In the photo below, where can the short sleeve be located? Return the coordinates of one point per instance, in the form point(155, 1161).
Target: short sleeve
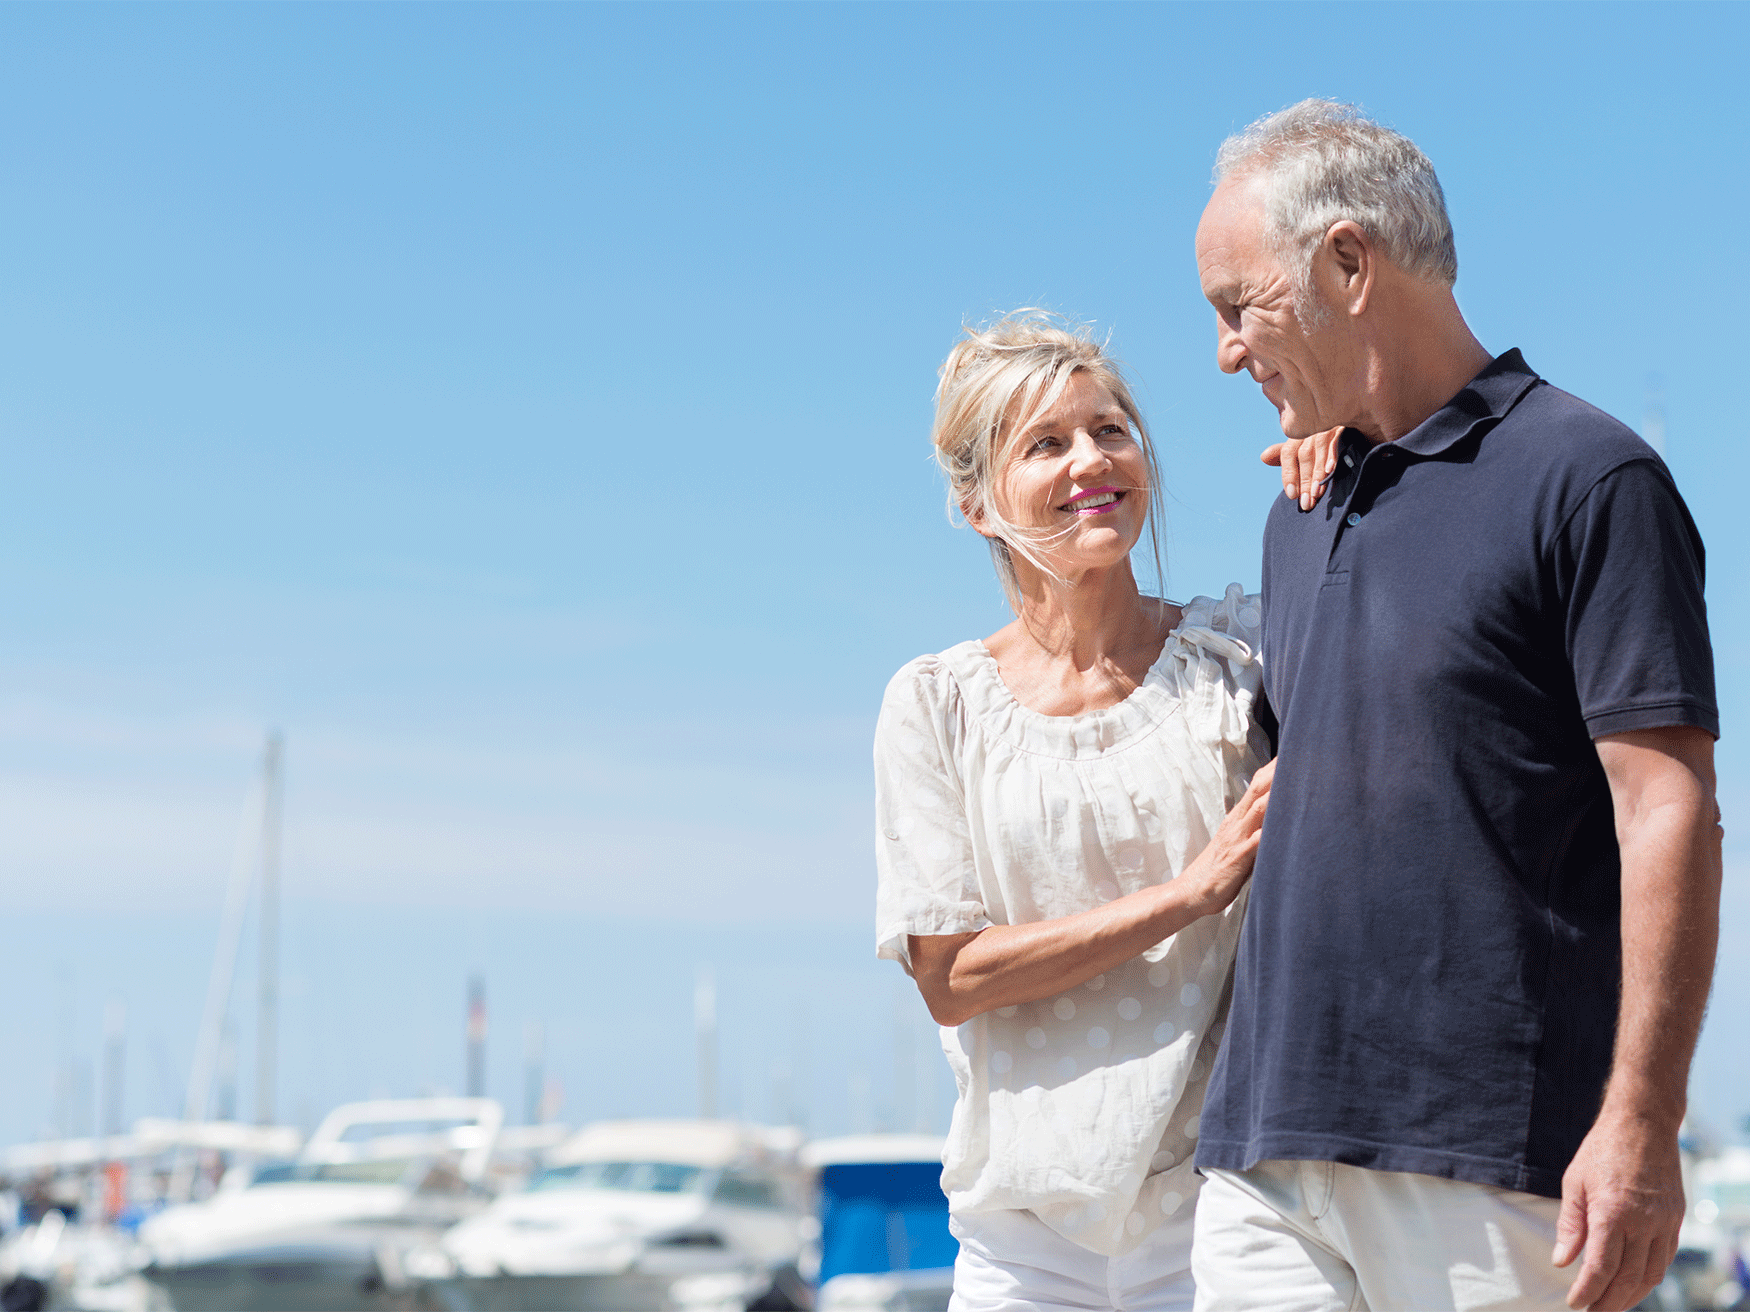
point(923, 845)
point(1630, 563)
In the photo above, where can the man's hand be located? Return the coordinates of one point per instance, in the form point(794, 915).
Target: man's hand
point(1307, 465)
point(1622, 1201)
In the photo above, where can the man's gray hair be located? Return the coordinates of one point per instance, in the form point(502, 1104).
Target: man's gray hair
point(1323, 162)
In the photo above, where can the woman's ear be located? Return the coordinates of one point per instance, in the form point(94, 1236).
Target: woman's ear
point(972, 511)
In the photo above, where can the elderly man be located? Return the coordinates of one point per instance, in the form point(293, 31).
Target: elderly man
point(1483, 921)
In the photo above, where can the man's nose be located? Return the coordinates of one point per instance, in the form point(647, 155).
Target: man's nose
point(1230, 347)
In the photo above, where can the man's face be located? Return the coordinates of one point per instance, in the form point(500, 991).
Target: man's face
point(1302, 369)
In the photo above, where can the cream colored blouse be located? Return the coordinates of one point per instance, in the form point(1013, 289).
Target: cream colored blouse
point(1082, 1107)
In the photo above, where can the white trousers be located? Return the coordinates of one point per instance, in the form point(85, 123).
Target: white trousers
point(1014, 1262)
point(1323, 1237)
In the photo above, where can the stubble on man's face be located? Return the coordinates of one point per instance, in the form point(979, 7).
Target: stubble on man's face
point(1259, 326)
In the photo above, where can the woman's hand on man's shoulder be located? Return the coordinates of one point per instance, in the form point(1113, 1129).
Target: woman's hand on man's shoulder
point(1307, 464)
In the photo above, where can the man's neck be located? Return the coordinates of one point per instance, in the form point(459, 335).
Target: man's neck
point(1421, 356)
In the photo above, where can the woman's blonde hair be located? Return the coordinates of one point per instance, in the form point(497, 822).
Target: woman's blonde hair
point(996, 384)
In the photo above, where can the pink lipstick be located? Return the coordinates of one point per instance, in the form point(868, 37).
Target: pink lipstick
point(1095, 501)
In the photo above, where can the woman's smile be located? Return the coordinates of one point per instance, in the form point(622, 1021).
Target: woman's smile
point(1095, 501)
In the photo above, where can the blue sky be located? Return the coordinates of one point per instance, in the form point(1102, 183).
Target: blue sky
point(525, 409)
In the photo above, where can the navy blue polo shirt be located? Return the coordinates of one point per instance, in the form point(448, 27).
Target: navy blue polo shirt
point(1427, 979)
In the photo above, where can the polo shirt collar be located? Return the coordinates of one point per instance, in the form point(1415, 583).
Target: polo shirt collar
point(1490, 395)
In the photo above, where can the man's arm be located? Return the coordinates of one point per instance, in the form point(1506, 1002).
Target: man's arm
point(1622, 1197)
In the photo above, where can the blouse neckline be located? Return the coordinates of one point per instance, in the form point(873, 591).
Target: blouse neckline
point(1092, 733)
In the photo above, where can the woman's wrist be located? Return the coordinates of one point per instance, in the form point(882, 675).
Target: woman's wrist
point(1184, 899)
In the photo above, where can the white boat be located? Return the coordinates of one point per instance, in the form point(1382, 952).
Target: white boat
point(330, 1229)
point(79, 1260)
point(633, 1215)
point(55, 1263)
point(150, 1138)
point(884, 1238)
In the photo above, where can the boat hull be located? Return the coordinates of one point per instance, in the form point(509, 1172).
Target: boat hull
point(274, 1286)
point(339, 1277)
point(625, 1292)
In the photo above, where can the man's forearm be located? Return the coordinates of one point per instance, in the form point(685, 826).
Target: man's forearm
point(1667, 829)
point(1622, 1195)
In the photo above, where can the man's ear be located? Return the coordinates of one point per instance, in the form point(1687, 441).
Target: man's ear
point(1350, 265)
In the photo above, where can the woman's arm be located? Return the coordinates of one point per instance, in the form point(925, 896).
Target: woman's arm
point(965, 975)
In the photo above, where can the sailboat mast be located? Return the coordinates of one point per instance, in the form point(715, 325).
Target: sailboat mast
point(476, 1047)
point(705, 1039)
point(268, 955)
point(210, 1037)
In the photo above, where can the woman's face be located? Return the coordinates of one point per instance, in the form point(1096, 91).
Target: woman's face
point(1077, 474)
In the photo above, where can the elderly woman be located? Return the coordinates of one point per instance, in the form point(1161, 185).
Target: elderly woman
point(1068, 813)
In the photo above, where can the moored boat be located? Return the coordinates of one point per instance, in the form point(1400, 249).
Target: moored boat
point(626, 1211)
point(331, 1229)
point(884, 1238)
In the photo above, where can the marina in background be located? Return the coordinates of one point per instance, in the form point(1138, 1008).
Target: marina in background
point(435, 1204)
point(437, 1201)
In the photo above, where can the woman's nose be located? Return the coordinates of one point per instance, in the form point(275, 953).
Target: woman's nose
point(1087, 456)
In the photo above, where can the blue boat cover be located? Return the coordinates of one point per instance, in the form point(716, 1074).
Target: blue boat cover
point(883, 1216)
